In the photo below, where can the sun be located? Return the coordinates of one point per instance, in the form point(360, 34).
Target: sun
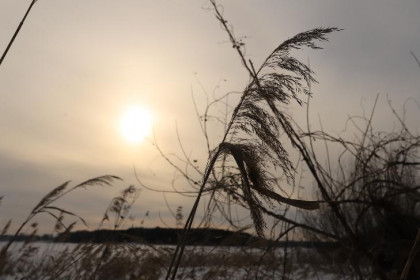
point(136, 124)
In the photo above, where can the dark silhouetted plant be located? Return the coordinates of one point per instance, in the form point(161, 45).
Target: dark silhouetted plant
point(252, 134)
point(17, 31)
point(46, 205)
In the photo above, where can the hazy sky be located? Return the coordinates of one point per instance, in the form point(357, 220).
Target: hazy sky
point(77, 65)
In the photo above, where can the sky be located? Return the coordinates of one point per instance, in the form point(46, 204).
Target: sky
point(76, 66)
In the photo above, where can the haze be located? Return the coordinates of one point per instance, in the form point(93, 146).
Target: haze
point(76, 65)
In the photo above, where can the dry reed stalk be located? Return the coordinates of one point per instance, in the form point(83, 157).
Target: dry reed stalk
point(44, 206)
point(262, 148)
point(17, 31)
point(413, 254)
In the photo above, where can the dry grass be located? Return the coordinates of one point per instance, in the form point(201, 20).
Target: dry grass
point(134, 261)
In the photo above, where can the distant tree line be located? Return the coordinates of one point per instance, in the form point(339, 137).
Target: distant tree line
point(164, 236)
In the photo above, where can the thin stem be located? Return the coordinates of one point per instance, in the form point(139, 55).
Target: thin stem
point(176, 259)
point(17, 31)
point(6, 247)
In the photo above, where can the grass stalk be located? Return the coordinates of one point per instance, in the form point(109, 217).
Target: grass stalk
point(413, 253)
point(17, 31)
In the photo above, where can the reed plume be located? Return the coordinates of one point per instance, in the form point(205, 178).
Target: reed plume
point(45, 205)
point(252, 135)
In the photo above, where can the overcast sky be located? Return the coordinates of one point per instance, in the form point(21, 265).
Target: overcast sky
point(77, 65)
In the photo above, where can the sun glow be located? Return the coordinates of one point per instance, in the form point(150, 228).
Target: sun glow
point(136, 124)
